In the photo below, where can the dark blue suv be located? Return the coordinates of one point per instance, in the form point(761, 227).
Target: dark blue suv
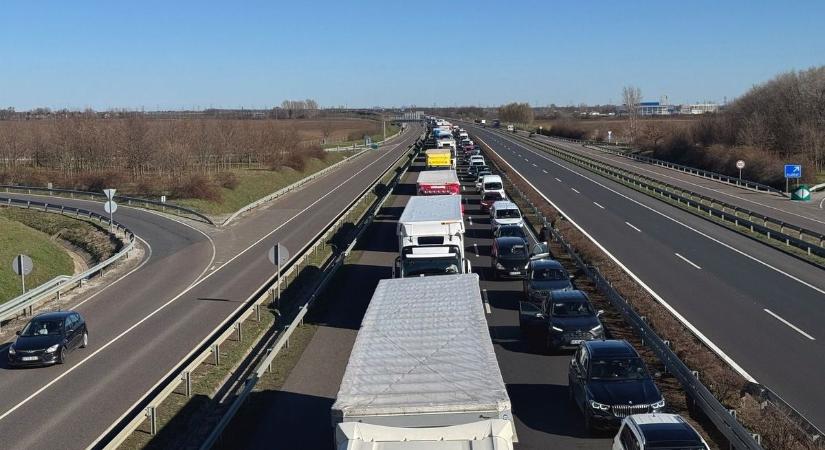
point(609, 381)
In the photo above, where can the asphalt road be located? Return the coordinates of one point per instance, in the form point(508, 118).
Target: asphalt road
point(141, 327)
point(760, 307)
point(804, 214)
point(298, 415)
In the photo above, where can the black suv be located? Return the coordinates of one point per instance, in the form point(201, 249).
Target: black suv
point(609, 381)
point(545, 276)
point(563, 320)
point(47, 338)
point(509, 257)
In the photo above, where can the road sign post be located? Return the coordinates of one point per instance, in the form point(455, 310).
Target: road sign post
point(740, 164)
point(22, 265)
point(278, 255)
point(609, 136)
point(792, 171)
point(110, 206)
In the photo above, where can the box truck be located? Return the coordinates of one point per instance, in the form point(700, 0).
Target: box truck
point(439, 158)
point(438, 182)
point(431, 237)
point(423, 373)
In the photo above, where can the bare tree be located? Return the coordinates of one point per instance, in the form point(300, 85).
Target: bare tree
point(632, 97)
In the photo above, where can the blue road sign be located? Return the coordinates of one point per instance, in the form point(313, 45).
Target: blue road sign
point(793, 171)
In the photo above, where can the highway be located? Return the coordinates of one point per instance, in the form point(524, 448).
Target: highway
point(298, 415)
point(803, 214)
point(762, 308)
point(142, 326)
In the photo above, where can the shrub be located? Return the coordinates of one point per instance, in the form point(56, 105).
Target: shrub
point(227, 180)
point(196, 186)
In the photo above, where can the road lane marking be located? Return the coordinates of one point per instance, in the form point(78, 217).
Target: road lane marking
point(600, 206)
point(820, 203)
point(558, 180)
point(574, 190)
point(534, 165)
point(163, 306)
point(475, 246)
point(633, 226)
point(795, 328)
point(688, 261)
point(143, 263)
point(487, 308)
point(543, 170)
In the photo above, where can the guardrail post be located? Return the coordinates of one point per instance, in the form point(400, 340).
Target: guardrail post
point(216, 349)
point(186, 377)
point(257, 312)
point(239, 327)
point(151, 414)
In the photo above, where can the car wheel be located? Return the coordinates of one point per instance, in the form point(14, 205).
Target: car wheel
point(85, 341)
point(61, 355)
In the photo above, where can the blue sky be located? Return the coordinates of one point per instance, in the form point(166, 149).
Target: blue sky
point(181, 54)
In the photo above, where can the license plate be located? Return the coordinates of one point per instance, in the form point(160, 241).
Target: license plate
point(29, 358)
point(515, 273)
point(576, 341)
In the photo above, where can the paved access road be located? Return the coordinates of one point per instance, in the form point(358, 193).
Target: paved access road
point(761, 307)
point(804, 214)
point(141, 327)
point(298, 415)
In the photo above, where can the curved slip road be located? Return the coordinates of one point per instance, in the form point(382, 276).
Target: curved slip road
point(760, 307)
point(140, 331)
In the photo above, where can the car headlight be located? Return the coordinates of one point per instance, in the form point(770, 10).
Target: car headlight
point(11, 350)
point(555, 328)
point(659, 405)
point(52, 349)
point(599, 406)
point(499, 266)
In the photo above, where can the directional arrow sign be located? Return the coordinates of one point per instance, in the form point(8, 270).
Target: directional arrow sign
point(22, 264)
point(110, 207)
point(110, 193)
point(793, 171)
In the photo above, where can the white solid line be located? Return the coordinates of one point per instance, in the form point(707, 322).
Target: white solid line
point(688, 261)
point(574, 190)
point(797, 329)
point(543, 170)
point(600, 206)
point(558, 180)
point(633, 226)
point(644, 285)
point(163, 306)
point(487, 308)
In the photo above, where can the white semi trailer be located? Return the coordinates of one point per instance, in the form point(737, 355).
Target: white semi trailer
point(423, 374)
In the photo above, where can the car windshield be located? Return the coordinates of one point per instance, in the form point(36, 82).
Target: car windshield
point(515, 251)
point(42, 327)
point(507, 213)
point(511, 231)
point(493, 196)
point(414, 267)
point(495, 185)
point(549, 275)
point(572, 309)
point(618, 369)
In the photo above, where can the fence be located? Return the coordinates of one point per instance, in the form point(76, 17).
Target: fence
point(145, 408)
point(23, 303)
point(726, 423)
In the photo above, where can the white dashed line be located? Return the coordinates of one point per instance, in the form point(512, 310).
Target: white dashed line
point(543, 170)
point(574, 190)
point(633, 226)
point(797, 329)
point(600, 206)
point(534, 165)
point(688, 261)
point(558, 180)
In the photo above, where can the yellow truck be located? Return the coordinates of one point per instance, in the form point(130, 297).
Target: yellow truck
point(439, 158)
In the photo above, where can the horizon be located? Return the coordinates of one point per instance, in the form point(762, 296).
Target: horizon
point(187, 56)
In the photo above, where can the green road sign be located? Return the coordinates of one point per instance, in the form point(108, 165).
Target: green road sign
point(801, 193)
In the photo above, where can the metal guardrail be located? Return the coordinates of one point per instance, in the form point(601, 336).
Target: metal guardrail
point(145, 408)
point(265, 364)
point(614, 149)
point(129, 201)
point(365, 146)
point(677, 194)
point(737, 435)
point(19, 305)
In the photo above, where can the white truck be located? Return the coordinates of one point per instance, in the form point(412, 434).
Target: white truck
point(431, 237)
point(423, 374)
point(438, 182)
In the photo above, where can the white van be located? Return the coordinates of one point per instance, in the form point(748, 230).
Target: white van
point(491, 183)
point(505, 212)
point(477, 159)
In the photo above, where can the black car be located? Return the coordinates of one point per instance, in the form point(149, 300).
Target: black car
point(563, 320)
point(543, 277)
point(509, 257)
point(609, 381)
point(47, 338)
point(510, 230)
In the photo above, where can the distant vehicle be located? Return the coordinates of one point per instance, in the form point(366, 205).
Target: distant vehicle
point(511, 128)
point(505, 212)
point(476, 159)
point(481, 172)
point(657, 431)
point(491, 183)
point(565, 319)
point(438, 182)
point(439, 158)
point(431, 237)
point(496, 123)
point(483, 122)
point(489, 198)
point(48, 338)
point(422, 373)
point(509, 257)
point(510, 231)
point(609, 381)
point(545, 276)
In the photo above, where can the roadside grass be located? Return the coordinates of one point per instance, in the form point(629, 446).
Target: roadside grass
point(391, 130)
point(48, 257)
point(256, 183)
